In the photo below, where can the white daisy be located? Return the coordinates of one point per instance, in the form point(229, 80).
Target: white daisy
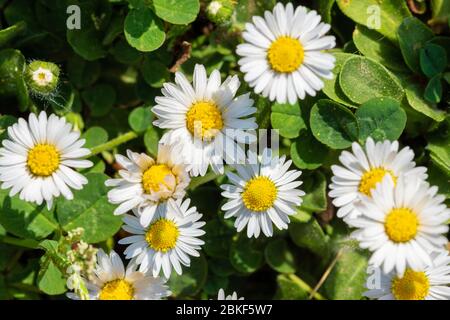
point(363, 169)
point(221, 296)
point(429, 283)
point(262, 192)
point(37, 158)
point(168, 241)
point(206, 120)
point(113, 282)
point(144, 182)
point(401, 223)
point(282, 55)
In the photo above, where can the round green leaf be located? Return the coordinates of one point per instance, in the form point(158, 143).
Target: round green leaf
point(177, 11)
point(124, 53)
point(246, 256)
point(217, 239)
point(381, 119)
point(151, 141)
point(192, 280)
point(333, 124)
point(315, 187)
point(310, 235)
point(415, 97)
point(155, 73)
point(100, 99)
point(307, 152)
point(140, 119)
point(143, 30)
point(279, 257)
point(95, 136)
point(287, 119)
point(433, 59)
point(362, 79)
point(433, 90)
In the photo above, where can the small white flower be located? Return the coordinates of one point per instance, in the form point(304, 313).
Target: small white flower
point(37, 157)
point(145, 182)
point(42, 77)
point(262, 192)
point(402, 224)
point(206, 120)
point(221, 296)
point(363, 169)
point(282, 55)
point(113, 282)
point(429, 283)
point(168, 241)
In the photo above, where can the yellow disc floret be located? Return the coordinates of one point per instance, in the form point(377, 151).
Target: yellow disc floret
point(156, 176)
point(370, 179)
point(285, 54)
point(412, 286)
point(162, 235)
point(43, 160)
point(259, 194)
point(401, 224)
point(204, 119)
point(118, 289)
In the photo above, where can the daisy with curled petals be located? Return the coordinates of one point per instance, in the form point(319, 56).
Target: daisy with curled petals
point(402, 224)
point(429, 283)
point(363, 169)
point(144, 182)
point(37, 158)
point(205, 119)
point(262, 192)
point(283, 57)
point(168, 241)
point(113, 282)
point(221, 296)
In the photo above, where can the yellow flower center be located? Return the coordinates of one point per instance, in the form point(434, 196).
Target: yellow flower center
point(204, 119)
point(43, 160)
point(370, 179)
point(156, 176)
point(162, 235)
point(118, 289)
point(413, 286)
point(285, 54)
point(401, 224)
point(259, 194)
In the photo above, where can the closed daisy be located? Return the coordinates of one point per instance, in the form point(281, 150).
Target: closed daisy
point(234, 296)
point(144, 182)
point(402, 223)
point(429, 283)
point(113, 282)
point(283, 57)
point(261, 193)
point(363, 169)
point(168, 241)
point(38, 157)
point(205, 119)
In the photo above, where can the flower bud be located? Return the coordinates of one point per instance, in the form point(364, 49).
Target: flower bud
point(220, 11)
point(42, 77)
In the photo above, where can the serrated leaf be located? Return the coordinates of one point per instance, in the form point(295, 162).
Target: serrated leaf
point(177, 11)
point(144, 30)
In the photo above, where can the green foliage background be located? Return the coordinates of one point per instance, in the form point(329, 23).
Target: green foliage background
point(391, 83)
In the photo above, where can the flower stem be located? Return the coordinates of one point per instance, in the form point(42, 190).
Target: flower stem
point(25, 243)
point(302, 284)
point(114, 142)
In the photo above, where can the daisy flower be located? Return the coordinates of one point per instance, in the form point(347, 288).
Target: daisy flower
point(221, 296)
point(401, 223)
point(37, 158)
point(363, 169)
point(206, 120)
point(262, 192)
point(282, 55)
point(429, 283)
point(145, 182)
point(112, 282)
point(168, 241)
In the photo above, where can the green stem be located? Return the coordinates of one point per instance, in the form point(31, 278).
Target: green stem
point(302, 284)
point(114, 142)
point(25, 243)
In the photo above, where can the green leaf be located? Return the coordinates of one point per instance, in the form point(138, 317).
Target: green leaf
point(90, 210)
point(12, 67)
point(413, 35)
point(310, 235)
point(24, 219)
point(315, 187)
point(287, 119)
point(443, 42)
point(154, 72)
point(433, 90)
point(347, 279)
point(381, 119)
point(433, 59)
point(140, 119)
point(385, 16)
point(246, 9)
point(362, 79)
point(8, 34)
point(143, 30)
point(82, 73)
point(415, 97)
point(325, 7)
point(217, 239)
point(288, 289)
point(436, 178)
point(177, 11)
point(333, 124)
point(279, 257)
point(94, 136)
point(124, 53)
point(377, 47)
point(151, 140)
point(307, 152)
point(440, 153)
point(192, 280)
point(100, 99)
point(246, 255)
